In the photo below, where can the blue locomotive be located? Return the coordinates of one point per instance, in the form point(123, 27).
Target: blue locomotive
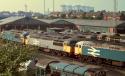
point(103, 53)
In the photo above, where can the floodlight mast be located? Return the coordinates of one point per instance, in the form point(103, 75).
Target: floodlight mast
point(44, 6)
point(115, 5)
point(115, 13)
point(26, 8)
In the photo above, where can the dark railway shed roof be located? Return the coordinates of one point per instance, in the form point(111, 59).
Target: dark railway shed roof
point(122, 25)
point(17, 20)
point(59, 23)
point(22, 23)
point(121, 28)
point(82, 22)
point(101, 23)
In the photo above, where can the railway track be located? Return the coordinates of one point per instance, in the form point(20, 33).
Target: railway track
point(74, 59)
point(111, 71)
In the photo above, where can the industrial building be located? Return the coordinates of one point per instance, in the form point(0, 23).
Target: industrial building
point(103, 26)
point(21, 23)
point(77, 8)
point(60, 23)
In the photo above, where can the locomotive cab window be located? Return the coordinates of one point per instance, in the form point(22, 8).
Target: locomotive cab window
point(79, 46)
point(76, 45)
point(65, 44)
point(57, 43)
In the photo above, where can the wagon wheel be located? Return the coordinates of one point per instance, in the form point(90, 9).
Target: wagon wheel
point(65, 54)
point(84, 59)
point(87, 74)
point(97, 61)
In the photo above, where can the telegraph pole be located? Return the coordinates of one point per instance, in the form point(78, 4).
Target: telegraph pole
point(115, 8)
point(26, 6)
point(53, 5)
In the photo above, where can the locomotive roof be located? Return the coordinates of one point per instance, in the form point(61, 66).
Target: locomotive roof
point(53, 36)
point(72, 68)
point(44, 63)
point(69, 39)
point(84, 42)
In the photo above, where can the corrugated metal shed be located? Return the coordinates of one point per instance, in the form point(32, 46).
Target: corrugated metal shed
point(89, 25)
point(82, 25)
point(121, 28)
point(21, 23)
point(62, 22)
point(102, 23)
point(48, 20)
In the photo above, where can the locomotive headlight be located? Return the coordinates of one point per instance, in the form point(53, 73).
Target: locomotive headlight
point(76, 50)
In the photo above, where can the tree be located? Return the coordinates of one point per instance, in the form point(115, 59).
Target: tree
point(122, 16)
point(11, 55)
point(100, 16)
point(63, 15)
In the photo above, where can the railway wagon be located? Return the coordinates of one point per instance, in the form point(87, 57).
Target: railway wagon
point(56, 68)
point(101, 55)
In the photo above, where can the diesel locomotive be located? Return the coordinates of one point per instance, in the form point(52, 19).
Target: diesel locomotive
point(89, 48)
point(56, 68)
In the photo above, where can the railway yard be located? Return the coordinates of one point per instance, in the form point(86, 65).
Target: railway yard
point(84, 49)
point(73, 40)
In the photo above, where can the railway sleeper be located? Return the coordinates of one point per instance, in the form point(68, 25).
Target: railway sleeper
point(117, 63)
point(85, 59)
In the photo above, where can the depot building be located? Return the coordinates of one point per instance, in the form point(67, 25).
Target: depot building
point(102, 26)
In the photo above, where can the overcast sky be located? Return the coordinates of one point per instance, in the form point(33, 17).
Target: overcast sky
point(37, 5)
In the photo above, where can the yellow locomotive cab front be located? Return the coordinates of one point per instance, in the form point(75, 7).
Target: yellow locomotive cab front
point(78, 49)
point(66, 48)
